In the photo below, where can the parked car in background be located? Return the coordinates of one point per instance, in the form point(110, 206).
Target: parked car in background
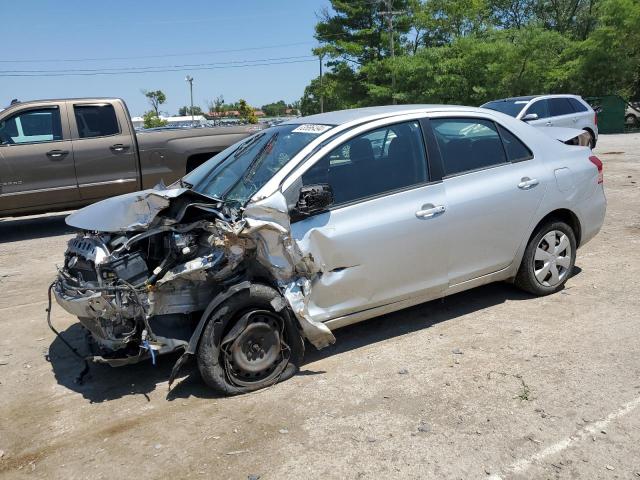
point(569, 111)
point(632, 114)
point(60, 154)
point(321, 222)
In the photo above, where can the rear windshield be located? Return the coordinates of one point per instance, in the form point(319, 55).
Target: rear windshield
point(510, 107)
point(238, 172)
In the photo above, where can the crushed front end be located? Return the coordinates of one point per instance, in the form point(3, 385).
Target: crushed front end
point(144, 268)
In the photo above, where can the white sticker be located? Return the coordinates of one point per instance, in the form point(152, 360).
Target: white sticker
point(311, 128)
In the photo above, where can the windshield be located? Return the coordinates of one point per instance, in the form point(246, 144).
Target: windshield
point(510, 107)
point(238, 172)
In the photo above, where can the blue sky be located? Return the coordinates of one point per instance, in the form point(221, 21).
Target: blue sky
point(168, 33)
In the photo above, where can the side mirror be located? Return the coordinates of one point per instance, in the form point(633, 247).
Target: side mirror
point(529, 117)
point(314, 199)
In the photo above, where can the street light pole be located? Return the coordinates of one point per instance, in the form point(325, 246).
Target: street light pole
point(189, 79)
point(321, 89)
point(389, 14)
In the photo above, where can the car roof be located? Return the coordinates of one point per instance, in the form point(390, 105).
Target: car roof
point(340, 117)
point(531, 97)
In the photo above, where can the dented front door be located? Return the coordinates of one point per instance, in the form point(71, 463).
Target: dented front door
point(376, 252)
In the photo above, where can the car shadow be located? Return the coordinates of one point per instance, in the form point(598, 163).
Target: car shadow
point(104, 383)
point(15, 229)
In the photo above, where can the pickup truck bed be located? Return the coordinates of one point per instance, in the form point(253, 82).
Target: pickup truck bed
point(63, 154)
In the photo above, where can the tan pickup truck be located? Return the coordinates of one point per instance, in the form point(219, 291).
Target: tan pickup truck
point(63, 154)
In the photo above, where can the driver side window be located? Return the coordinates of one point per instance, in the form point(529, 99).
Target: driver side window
point(540, 108)
point(382, 160)
point(31, 126)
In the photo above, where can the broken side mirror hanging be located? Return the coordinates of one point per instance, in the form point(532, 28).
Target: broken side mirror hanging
point(314, 199)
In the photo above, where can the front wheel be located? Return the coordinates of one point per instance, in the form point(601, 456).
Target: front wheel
point(247, 345)
point(548, 259)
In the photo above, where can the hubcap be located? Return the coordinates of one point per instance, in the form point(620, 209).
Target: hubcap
point(552, 259)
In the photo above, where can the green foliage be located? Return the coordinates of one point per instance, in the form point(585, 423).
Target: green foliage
point(471, 51)
point(156, 98)
point(276, 109)
point(246, 112)
point(152, 120)
point(184, 111)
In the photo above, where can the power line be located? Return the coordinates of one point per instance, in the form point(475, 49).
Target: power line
point(155, 67)
point(137, 57)
point(131, 72)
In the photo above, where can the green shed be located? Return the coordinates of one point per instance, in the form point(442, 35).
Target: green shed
point(610, 110)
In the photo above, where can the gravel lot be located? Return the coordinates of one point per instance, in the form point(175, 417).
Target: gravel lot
point(490, 383)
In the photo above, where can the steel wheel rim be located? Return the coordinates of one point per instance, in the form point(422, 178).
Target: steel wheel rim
point(257, 353)
point(552, 259)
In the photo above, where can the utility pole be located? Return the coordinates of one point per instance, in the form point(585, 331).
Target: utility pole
point(189, 79)
point(389, 14)
point(320, 57)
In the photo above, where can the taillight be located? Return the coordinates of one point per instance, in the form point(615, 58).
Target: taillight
point(595, 119)
point(598, 163)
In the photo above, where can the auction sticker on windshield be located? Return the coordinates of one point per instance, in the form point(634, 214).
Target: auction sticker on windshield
point(311, 128)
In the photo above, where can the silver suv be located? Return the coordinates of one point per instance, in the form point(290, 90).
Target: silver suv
point(569, 111)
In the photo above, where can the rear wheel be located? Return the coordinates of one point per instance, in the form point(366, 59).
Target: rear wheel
point(246, 345)
point(548, 259)
point(631, 120)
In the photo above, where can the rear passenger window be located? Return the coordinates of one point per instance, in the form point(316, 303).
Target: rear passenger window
point(96, 120)
point(560, 106)
point(516, 150)
point(467, 144)
point(577, 105)
point(379, 161)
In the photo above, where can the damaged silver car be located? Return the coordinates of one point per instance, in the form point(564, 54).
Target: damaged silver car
point(322, 222)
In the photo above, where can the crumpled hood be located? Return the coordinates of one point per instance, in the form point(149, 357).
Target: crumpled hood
point(128, 212)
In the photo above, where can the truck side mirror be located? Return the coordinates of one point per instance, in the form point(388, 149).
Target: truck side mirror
point(314, 199)
point(529, 117)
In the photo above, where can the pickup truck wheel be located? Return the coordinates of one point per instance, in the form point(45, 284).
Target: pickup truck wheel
point(548, 259)
point(247, 345)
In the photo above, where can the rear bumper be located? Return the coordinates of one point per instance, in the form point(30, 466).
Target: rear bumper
point(591, 213)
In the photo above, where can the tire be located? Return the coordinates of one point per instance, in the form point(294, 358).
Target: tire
point(541, 273)
point(631, 120)
point(247, 345)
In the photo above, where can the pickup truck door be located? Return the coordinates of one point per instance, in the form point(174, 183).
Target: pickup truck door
point(104, 148)
point(36, 158)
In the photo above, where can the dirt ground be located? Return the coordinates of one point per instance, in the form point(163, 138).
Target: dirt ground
point(490, 383)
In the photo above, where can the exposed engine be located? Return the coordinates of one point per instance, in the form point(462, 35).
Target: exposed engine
point(128, 288)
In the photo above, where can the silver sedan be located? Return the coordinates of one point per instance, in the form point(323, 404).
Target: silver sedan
point(321, 222)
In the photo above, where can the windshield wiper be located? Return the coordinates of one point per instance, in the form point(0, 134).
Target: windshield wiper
point(245, 147)
point(255, 163)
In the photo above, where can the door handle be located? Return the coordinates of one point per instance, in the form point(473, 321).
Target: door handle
point(527, 183)
point(430, 211)
point(119, 147)
point(548, 124)
point(57, 154)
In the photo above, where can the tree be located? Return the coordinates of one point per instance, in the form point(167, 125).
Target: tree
point(156, 98)
point(184, 111)
point(276, 109)
point(216, 105)
point(152, 120)
point(246, 112)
